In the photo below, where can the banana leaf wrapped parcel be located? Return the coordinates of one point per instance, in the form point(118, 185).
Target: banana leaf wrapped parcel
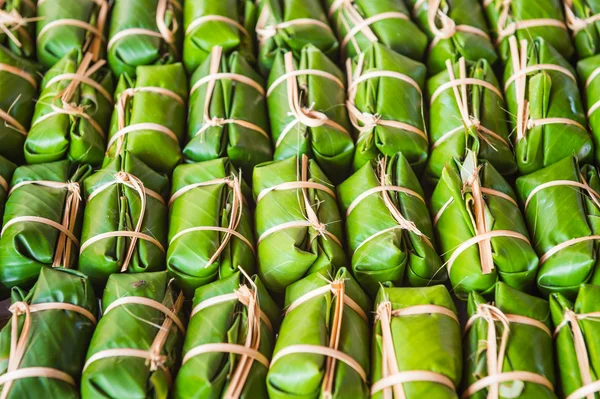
point(508, 347)
point(150, 115)
point(577, 338)
point(211, 244)
point(562, 207)
point(228, 113)
point(455, 29)
point(467, 112)
point(228, 24)
point(19, 21)
point(64, 26)
point(229, 341)
point(545, 106)
point(359, 23)
point(306, 99)
point(588, 69)
point(125, 220)
point(135, 350)
point(480, 230)
point(385, 121)
point(42, 222)
point(528, 20)
point(289, 25)
point(322, 348)
point(144, 32)
point(416, 347)
point(389, 230)
point(43, 345)
point(583, 18)
point(72, 113)
point(6, 171)
point(298, 224)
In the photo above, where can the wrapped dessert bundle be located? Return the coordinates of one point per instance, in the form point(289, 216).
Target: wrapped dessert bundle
point(322, 348)
point(289, 25)
point(19, 87)
point(359, 23)
point(144, 32)
point(508, 347)
point(528, 20)
point(384, 121)
point(455, 29)
point(43, 345)
point(481, 232)
point(562, 206)
point(577, 335)
point(467, 112)
point(389, 230)
point(228, 113)
point(125, 220)
point(207, 23)
point(135, 350)
point(6, 171)
point(297, 220)
point(211, 244)
point(588, 71)
point(72, 113)
point(150, 115)
point(583, 18)
point(545, 106)
point(416, 347)
point(41, 222)
point(306, 99)
point(229, 341)
point(18, 19)
point(64, 26)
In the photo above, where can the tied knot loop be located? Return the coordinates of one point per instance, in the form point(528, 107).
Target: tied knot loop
point(384, 311)
point(69, 108)
point(530, 123)
point(11, 21)
point(19, 308)
point(215, 121)
point(74, 188)
point(245, 295)
point(473, 122)
point(156, 360)
point(320, 228)
point(448, 28)
point(267, 32)
point(370, 120)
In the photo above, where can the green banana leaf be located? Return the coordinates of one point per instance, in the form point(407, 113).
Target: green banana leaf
point(520, 11)
point(129, 48)
point(134, 326)
point(208, 375)
point(558, 214)
point(61, 28)
point(116, 207)
point(569, 371)
point(191, 252)
point(54, 136)
point(207, 23)
point(396, 32)
point(19, 86)
point(322, 99)
point(591, 84)
point(156, 149)
point(27, 246)
point(586, 29)
point(469, 38)
point(277, 31)
point(58, 338)
point(485, 108)
point(301, 374)
point(229, 100)
point(381, 249)
point(377, 97)
point(21, 25)
point(548, 94)
point(6, 171)
point(288, 254)
point(429, 342)
point(528, 347)
point(471, 200)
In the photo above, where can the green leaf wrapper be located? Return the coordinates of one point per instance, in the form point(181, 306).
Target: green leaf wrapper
point(560, 213)
point(24, 32)
point(228, 117)
point(383, 249)
point(198, 253)
point(421, 327)
point(471, 201)
point(158, 338)
point(582, 20)
point(317, 316)
point(6, 171)
point(387, 111)
point(526, 322)
point(211, 374)
point(586, 69)
point(313, 241)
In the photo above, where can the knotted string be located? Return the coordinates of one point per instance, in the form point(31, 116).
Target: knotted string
point(575, 23)
point(448, 27)
point(13, 21)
